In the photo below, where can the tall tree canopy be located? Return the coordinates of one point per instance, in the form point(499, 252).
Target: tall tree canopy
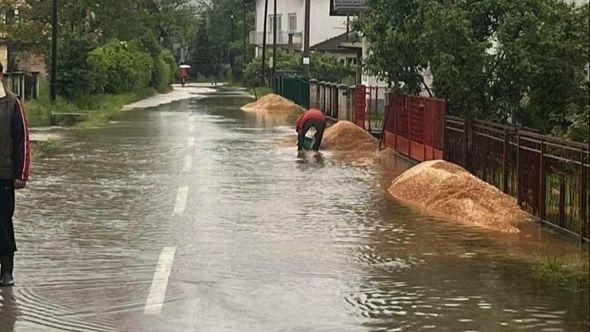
point(520, 61)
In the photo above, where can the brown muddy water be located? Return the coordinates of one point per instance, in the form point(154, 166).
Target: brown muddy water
point(264, 240)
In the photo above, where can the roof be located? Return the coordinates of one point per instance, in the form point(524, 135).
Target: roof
point(333, 44)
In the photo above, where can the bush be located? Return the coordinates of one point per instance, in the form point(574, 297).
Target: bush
point(324, 67)
point(164, 71)
point(74, 75)
point(327, 67)
point(120, 68)
point(252, 71)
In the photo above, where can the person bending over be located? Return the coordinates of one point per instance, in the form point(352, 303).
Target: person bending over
point(312, 118)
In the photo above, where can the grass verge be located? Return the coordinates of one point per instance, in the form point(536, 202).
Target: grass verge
point(561, 271)
point(91, 110)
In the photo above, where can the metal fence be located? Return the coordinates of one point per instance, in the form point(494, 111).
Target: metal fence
point(294, 88)
point(413, 126)
point(548, 176)
point(24, 84)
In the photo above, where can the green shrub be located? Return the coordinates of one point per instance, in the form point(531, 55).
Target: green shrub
point(163, 71)
point(252, 71)
point(324, 67)
point(327, 67)
point(74, 75)
point(120, 67)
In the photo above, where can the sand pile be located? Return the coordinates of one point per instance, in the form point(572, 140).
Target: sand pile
point(450, 191)
point(272, 103)
point(346, 136)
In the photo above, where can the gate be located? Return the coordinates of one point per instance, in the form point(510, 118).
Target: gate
point(360, 108)
point(414, 126)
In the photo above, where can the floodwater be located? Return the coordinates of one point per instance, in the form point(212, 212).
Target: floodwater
point(256, 238)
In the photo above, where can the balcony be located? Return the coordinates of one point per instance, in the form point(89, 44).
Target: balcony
point(284, 38)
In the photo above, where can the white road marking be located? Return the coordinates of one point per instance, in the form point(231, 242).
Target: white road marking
point(191, 128)
point(181, 197)
point(191, 142)
point(157, 294)
point(188, 164)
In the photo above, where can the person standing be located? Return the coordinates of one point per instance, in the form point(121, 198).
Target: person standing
point(183, 74)
point(14, 173)
point(312, 118)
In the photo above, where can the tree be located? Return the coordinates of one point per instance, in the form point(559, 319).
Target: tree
point(521, 62)
point(205, 57)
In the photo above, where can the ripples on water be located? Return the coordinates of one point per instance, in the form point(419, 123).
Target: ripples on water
point(269, 240)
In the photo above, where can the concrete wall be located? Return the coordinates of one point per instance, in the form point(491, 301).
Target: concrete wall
point(322, 25)
point(4, 56)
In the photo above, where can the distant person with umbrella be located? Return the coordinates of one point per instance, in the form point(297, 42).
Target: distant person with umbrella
point(183, 73)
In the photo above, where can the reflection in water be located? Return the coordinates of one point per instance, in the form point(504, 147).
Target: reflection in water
point(270, 240)
point(310, 159)
point(9, 310)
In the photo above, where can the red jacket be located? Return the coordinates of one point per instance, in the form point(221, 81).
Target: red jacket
point(312, 114)
point(183, 72)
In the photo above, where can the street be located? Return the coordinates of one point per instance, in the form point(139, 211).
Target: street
point(193, 217)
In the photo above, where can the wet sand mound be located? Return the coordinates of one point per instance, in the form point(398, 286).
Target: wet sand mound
point(448, 190)
point(346, 136)
point(272, 103)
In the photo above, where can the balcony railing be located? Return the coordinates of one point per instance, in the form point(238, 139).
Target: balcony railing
point(283, 38)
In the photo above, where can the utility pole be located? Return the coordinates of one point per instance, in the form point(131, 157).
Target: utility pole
point(245, 34)
point(53, 84)
point(274, 40)
point(264, 40)
point(306, 39)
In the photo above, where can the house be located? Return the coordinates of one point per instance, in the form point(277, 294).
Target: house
point(335, 46)
point(291, 22)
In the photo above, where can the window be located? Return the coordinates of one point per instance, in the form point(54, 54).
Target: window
point(279, 23)
point(292, 22)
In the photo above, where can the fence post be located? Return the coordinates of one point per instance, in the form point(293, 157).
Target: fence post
point(313, 87)
point(342, 101)
point(583, 198)
point(505, 169)
point(518, 186)
point(562, 201)
point(542, 184)
point(322, 97)
point(466, 129)
point(352, 104)
point(335, 110)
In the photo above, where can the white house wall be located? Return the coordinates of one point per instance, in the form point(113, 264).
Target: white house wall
point(322, 25)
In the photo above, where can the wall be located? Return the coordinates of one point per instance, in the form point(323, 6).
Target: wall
point(4, 56)
point(322, 25)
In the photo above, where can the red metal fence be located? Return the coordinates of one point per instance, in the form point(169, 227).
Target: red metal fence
point(360, 105)
point(414, 126)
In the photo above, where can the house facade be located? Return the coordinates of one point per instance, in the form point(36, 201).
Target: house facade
point(291, 24)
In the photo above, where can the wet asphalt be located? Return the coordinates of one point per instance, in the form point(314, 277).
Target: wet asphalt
point(193, 217)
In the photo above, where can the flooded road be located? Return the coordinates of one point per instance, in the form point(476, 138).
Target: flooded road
point(190, 217)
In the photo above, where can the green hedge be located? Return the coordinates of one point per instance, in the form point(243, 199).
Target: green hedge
point(119, 67)
point(164, 71)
